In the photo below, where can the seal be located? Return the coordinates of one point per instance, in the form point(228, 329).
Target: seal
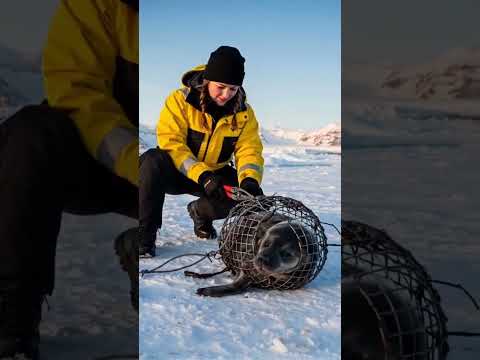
point(279, 253)
point(379, 324)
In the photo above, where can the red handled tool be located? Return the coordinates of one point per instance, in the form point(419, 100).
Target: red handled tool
point(228, 190)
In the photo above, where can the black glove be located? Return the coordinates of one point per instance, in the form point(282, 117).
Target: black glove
point(251, 186)
point(213, 186)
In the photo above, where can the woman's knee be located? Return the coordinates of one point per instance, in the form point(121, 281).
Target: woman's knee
point(156, 161)
point(38, 125)
point(37, 142)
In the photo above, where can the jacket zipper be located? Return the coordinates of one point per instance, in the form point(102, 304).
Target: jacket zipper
point(208, 142)
point(210, 137)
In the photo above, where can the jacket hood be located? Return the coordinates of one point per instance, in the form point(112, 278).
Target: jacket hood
point(194, 77)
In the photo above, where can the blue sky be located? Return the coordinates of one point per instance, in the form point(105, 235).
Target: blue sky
point(292, 51)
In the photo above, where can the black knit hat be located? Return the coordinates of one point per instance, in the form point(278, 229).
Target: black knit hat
point(226, 66)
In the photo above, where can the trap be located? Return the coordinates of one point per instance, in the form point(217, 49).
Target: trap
point(239, 243)
point(406, 308)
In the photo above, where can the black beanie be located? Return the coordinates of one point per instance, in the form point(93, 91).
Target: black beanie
point(226, 66)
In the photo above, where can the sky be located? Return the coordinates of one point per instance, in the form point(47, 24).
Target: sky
point(24, 24)
point(408, 31)
point(292, 51)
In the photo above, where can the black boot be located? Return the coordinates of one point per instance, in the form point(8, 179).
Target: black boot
point(203, 228)
point(147, 242)
point(126, 247)
point(20, 314)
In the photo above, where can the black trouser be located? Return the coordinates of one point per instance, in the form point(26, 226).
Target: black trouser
point(45, 170)
point(159, 176)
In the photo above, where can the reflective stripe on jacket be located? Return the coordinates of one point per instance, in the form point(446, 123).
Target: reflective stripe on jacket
point(90, 67)
point(195, 148)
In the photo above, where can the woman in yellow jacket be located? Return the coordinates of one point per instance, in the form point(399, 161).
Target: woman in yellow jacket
point(77, 153)
point(202, 128)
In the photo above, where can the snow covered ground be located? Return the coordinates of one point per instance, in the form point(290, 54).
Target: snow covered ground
point(415, 167)
point(90, 316)
point(175, 323)
point(426, 197)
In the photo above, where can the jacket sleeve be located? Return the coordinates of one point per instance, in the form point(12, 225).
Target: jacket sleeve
point(248, 151)
point(172, 130)
point(79, 66)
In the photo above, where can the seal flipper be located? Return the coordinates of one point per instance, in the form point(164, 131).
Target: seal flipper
point(238, 286)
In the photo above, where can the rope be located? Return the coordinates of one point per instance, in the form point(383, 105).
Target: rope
point(463, 333)
point(209, 256)
point(338, 231)
point(458, 286)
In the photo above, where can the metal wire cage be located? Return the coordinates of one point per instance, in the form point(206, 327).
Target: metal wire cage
point(405, 307)
point(239, 242)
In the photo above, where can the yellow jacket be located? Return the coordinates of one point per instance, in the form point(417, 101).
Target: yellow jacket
point(195, 148)
point(90, 67)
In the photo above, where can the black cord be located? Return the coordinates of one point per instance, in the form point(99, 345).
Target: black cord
point(463, 333)
point(332, 225)
point(338, 231)
point(458, 286)
point(208, 256)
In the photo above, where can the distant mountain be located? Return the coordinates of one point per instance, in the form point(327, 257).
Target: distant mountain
point(329, 135)
point(18, 61)
point(455, 75)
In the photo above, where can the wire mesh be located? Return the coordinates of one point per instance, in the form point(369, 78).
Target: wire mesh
point(239, 240)
point(398, 291)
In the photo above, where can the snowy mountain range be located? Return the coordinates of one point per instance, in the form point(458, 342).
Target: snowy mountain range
point(329, 135)
point(455, 75)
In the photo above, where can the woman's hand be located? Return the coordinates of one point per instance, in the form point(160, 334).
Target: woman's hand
point(251, 186)
point(213, 186)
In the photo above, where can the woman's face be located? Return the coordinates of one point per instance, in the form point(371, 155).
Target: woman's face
point(221, 93)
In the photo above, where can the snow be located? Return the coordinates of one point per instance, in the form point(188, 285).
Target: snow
point(259, 324)
point(414, 177)
point(90, 315)
point(328, 136)
point(281, 136)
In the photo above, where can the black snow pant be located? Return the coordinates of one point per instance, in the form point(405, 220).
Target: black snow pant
point(45, 170)
point(159, 176)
